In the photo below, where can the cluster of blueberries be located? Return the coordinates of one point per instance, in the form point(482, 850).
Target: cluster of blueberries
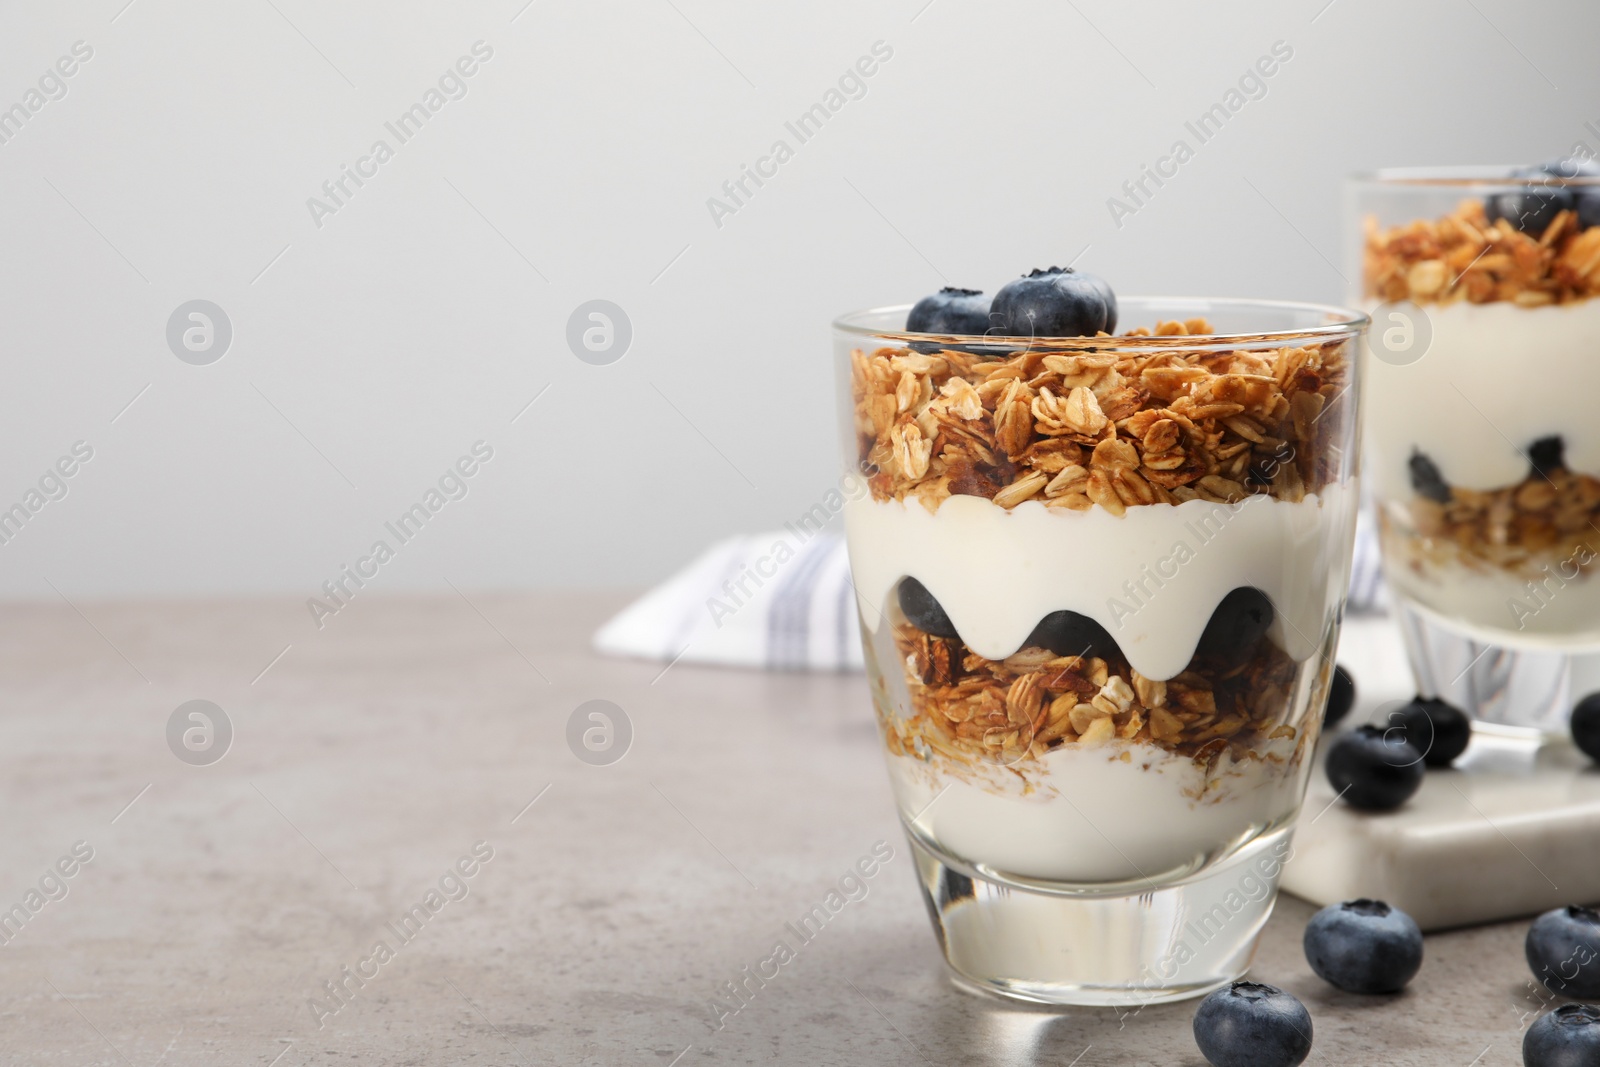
point(1366, 946)
point(1237, 625)
point(1380, 767)
point(1534, 206)
point(1059, 302)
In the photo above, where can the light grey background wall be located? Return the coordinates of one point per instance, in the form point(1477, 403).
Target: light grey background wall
point(374, 344)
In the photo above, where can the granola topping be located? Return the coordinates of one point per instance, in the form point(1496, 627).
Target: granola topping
point(1108, 429)
point(1464, 256)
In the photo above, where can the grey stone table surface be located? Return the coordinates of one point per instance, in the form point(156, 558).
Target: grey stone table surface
point(411, 739)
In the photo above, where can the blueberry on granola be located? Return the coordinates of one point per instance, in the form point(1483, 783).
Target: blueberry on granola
point(923, 611)
point(1533, 206)
point(957, 311)
point(1586, 198)
point(1110, 299)
point(1066, 633)
point(1426, 479)
point(1059, 302)
point(1571, 168)
point(1237, 625)
point(1547, 454)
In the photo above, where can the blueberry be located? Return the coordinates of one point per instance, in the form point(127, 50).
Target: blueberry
point(1253, 1025)
point(1547, 454)
point(1586, 726)
point(1374, 769)
point(1364, 946)
point(1438, 730)
point(1426, 479)
point(1238, 624)
point(1563, 950)
point(1586, 197)
point(1588, 206)
point(956, 311)
point(1566, 1037)
point(1059, 302)
point(1571, 168)
point(923, 611)
point(1341, 696)
point(1066, 633)
point(1533, 206)
point(1110, 299)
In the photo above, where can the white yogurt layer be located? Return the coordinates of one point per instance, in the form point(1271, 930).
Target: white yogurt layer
point(1096, 818)
point(1496, 378)
point(1152, 577)
point(1497, 606)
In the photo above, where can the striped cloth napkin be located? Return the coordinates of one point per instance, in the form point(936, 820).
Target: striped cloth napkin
point(783, 601)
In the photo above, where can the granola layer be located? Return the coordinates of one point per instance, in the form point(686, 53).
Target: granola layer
point(1547, 518)
point(972, 710)
point(1464, 256)
point(1099, 429)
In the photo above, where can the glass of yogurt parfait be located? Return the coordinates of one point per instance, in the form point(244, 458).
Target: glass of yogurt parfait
point(1100, 578)
point(1484, 455)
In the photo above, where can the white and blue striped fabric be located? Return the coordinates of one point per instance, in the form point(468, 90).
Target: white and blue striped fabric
point(767, 600)
point(779, 602)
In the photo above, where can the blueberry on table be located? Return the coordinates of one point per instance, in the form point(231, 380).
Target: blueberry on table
point(1066, 633)
point(1563, 949)
point(1374, 769)
point(923, 611)
point(1426, 479)
point(1364, 946)
point(1341, 696)
point(1566, 1037)
point(1059, 302)
point(1238, 624)
point(957, 311)
point(1250, 1024)
point(1535, 205)
point(1438, 730)
point(1547, 454)
point(1586, 726)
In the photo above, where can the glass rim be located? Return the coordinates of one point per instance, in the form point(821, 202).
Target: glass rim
point(1342, 323)
point(1467, 176)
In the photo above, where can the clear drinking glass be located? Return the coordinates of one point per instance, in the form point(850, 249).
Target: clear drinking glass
point(1484, 456)
point(1100, 583)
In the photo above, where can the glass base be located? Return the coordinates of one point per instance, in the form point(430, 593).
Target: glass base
point(1523, 689)
point(1164, 943)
